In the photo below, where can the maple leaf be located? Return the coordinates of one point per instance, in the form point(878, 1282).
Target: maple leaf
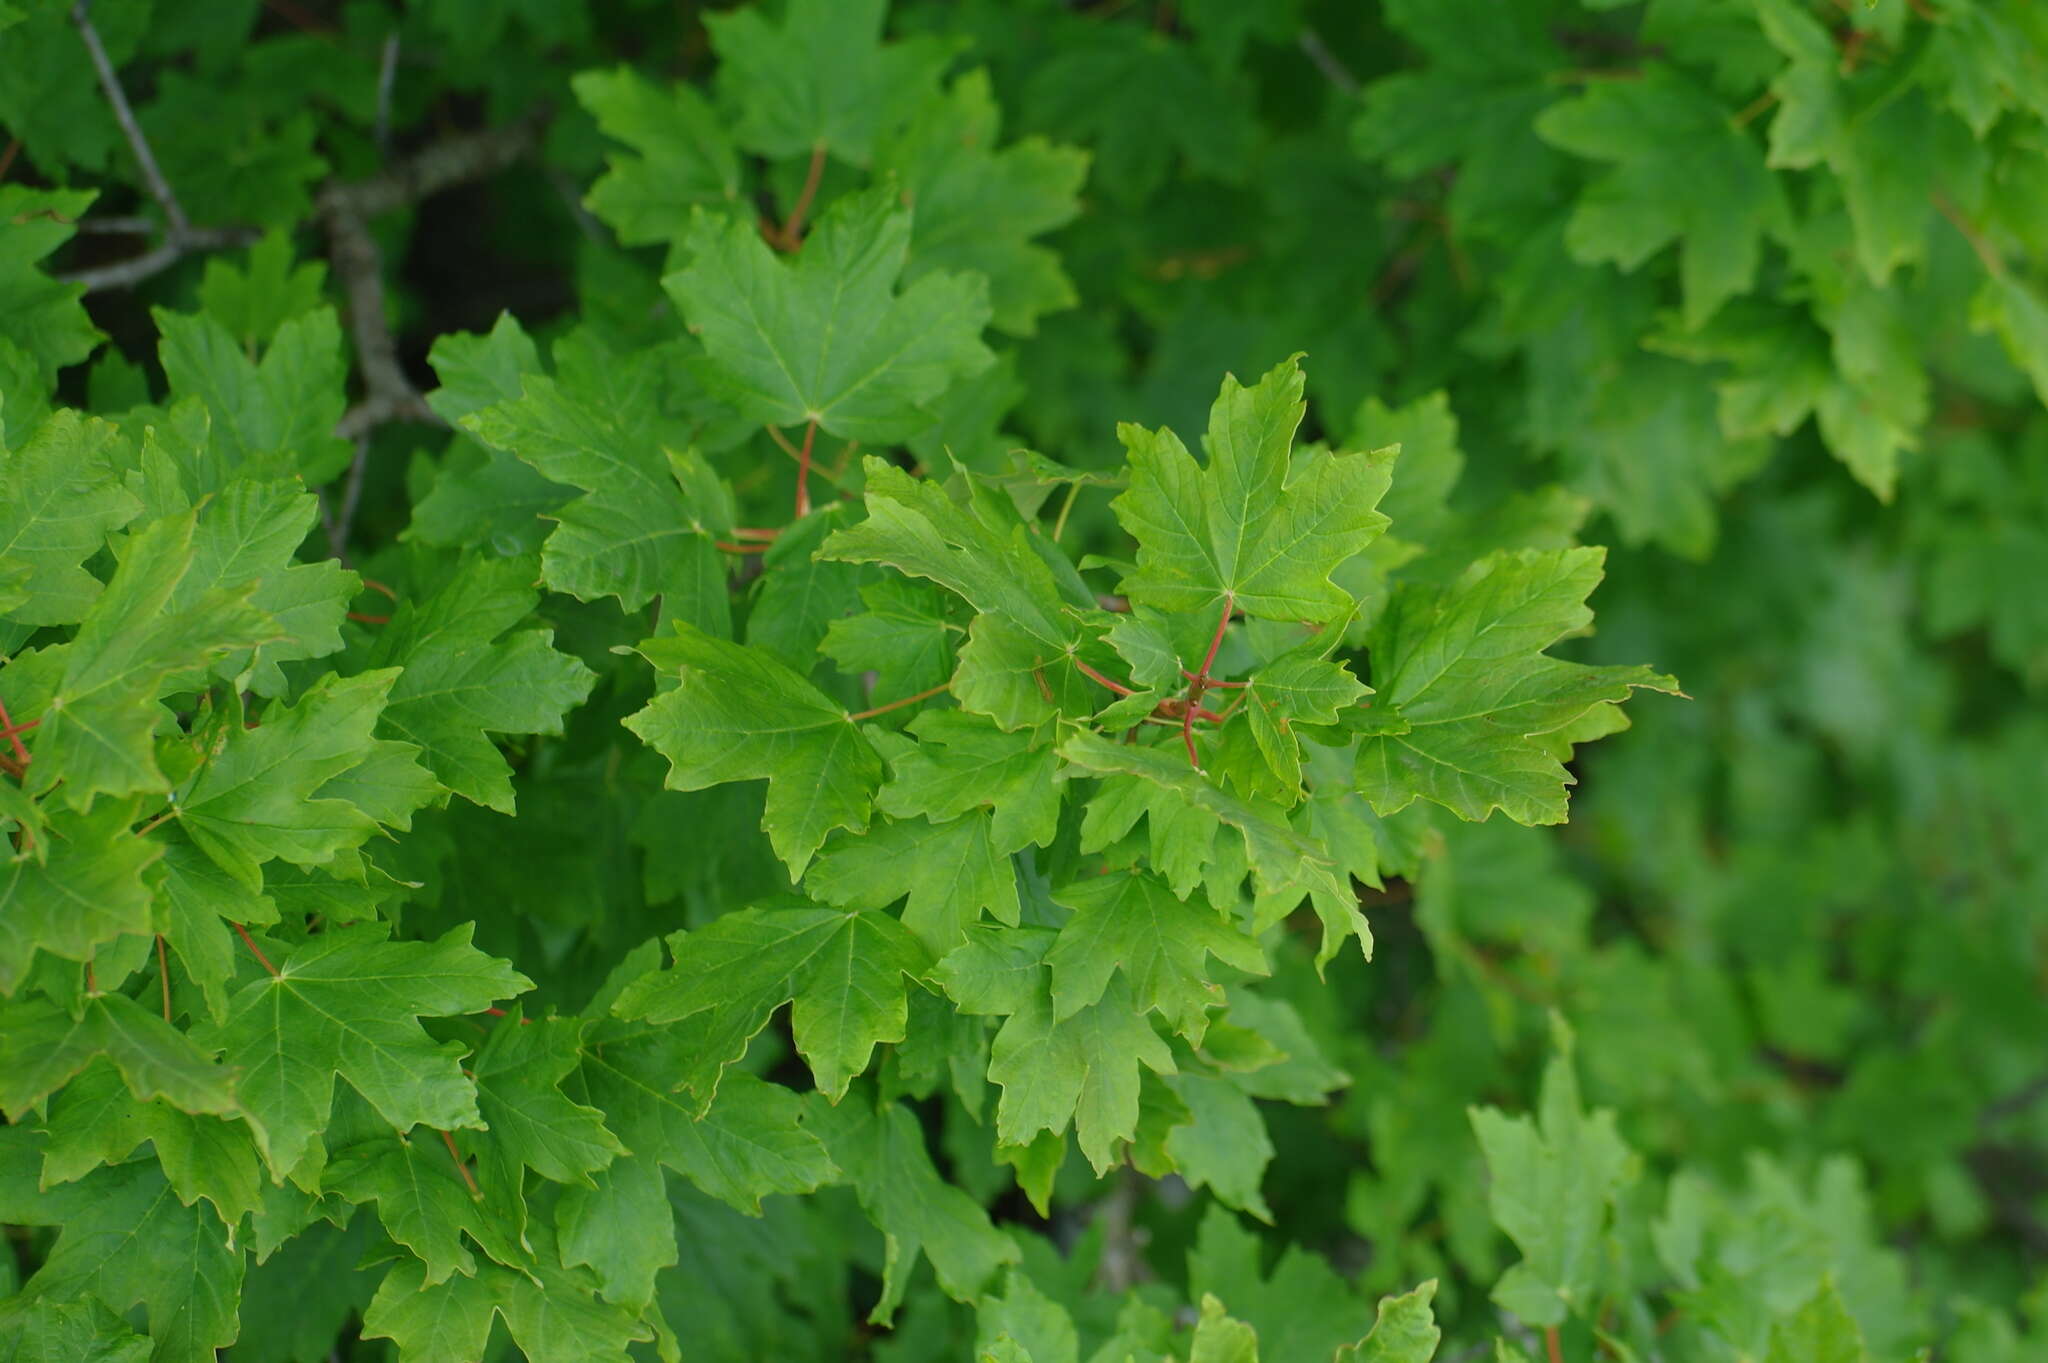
point(752, 1141)
point(962, 187)
point(1717, 200)
point(268, 791)
point(1405, 1331)
point(828, 339)
point(519, 1074)
point(652, 512)
point(99, 710)
point(881, 1149)
point(345, 1005)
point(682, 155)
point(127, 1240)
point(1466, 692)
point(81, 885)
point(739, 715)
point(98, 1121)
point(551, 1312)
point(42, 1046)
point(1251, 528)
point(822, 78)
point(1552, 1182)
point(422, 1200)
point(964, 762)
point(59, 500)
point(464, 676)
point(1132, 923)
point(271, 417)
point(951, 873)
point(842, 974)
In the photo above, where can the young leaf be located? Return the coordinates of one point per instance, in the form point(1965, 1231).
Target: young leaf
point(841, 972)
point(345, 1006)
point(739, 715)
point(1253, 528)
point(828, 339)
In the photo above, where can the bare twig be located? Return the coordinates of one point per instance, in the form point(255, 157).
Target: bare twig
point(110, 85)
point(451, 161)
point(387, 79)
point(2016, 1102)
point(1318, 52)
point(360, 267)
point(180, 236)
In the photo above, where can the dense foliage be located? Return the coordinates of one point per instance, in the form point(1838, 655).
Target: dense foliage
point(534, 535)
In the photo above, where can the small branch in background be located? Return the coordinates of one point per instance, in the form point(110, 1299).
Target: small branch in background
point(7, 157)
point(110, 85)
point(2016, 1102)
point(359, 266)
point(451, 161)
point(1334, 71)
point(387, 79)
point(180, 236)
point(1122, 1265)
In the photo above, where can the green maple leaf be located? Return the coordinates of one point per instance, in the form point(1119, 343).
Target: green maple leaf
point(1081, 1069)
point(99, 1121)
point(1823, 1331)
point(82, 884)
point(127, 1240)
point(96, 721)
point(465, 676)
point(270, 418)
point(1140, 100)
point(42, 1047)
point(1466, 693)
point(822, 78)
point(68, 1332)
point(842, 973)
point(882, 1151)
point(753, 1141)
point(902, 637)
point(682, 155)
point(1405, 1331)
point(1130, 922)
point(1223, 1144)
point(519, 1074)
point(254, 299)
point(977, 208)
point(1552, 1182)
point(250, 532)
point(1286, 864)
point(951, 873)
point(1254, 527)
point(422, 1202)
point(739, 715)
point(46, 318)
point(652, 510)
point(964, 762)
point(1020, 647)
point(267, 792)
point(551, 1311)
point(1717, 199)
point(1298, 687)
point(59, 500)
point(344, 1005)
point(828, 338)
point(1299, 1305)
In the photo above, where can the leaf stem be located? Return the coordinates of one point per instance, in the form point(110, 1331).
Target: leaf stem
point(13, 731)
point(792, 228)
point(1550, 1344)
point(803, 470)
point(163, 974)
point(250, 942)
point(732, 548)
point(1059, 525)
point(1093, 675)
point(461, 1168)
point(1200, 682)
point(899, 704)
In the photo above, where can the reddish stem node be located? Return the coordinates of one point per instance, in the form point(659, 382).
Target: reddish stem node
point(250, 942)
point(732, 548)
point(1200, 682)
point(793, 228)
point(13, 732)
